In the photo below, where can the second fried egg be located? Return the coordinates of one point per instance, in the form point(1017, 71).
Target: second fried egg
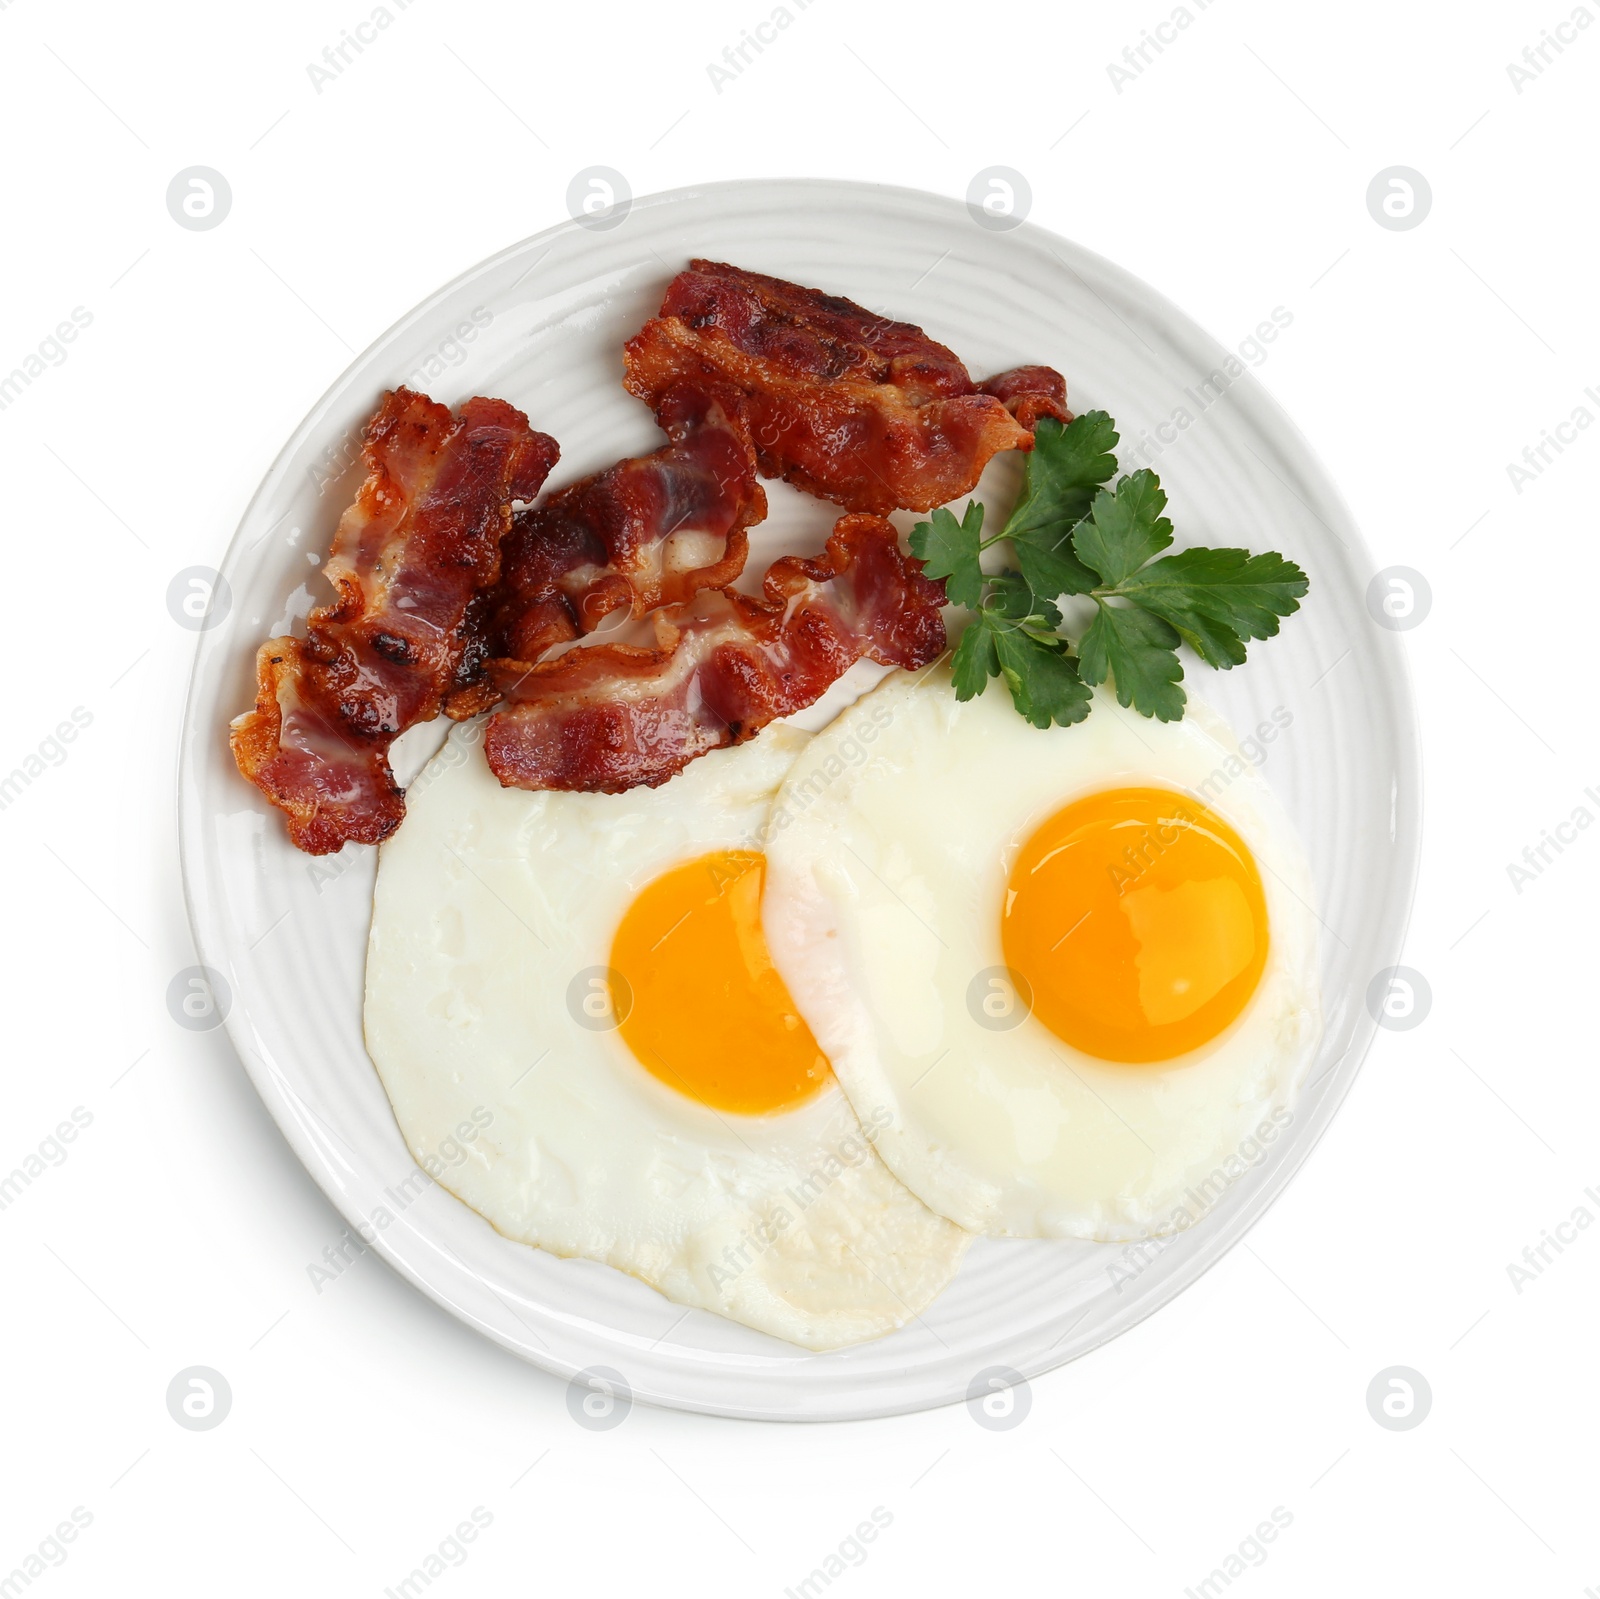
point(1073, 972)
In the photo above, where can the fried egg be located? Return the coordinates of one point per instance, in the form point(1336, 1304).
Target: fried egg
point(582, 981)
point(1072, 973)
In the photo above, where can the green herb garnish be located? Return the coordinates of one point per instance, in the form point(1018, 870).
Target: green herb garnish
point(1074, 536)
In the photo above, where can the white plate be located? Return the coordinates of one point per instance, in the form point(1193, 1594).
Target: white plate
point(543, 325)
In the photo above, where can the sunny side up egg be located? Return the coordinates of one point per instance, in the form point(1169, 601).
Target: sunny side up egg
point(583, 980)
point(1071, 974)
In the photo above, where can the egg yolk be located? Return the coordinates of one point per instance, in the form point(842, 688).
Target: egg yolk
point(1137, 920)
point(706, 1010)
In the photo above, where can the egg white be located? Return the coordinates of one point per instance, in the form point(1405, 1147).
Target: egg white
point(490, 905)
point(889, 848)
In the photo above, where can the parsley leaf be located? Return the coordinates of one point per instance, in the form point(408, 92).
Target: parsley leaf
point(1013, 597)
point(1043, 678)
point(1140, 651)
point(949, 549)
point(1218, 598)
point(1067, 464)
point(975, 660)
point(1013, 636)
point(1124, 528)
point(1074, 536)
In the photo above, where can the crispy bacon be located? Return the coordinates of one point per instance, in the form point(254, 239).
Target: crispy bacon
point(1029, 392)
point(609, 717)
point(649, 531)
point(421, 539)
point(870, 413)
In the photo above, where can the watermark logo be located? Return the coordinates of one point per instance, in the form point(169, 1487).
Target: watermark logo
point(1199, 1199)
point(352, 42)
point(51, 1150)
point(999, 999)
point(1399, 1398)
point(50, 1551)
point(1399, 199)
point(768, 1228)
point(598, 198)
point(199, 199)
point(999, 199)
point(1250, 1551)
point(1146, 446)
point(1399, 598)
point(850, 1552)
point(451, 1550)
point(1138, 57)
point(453, 1152)
point(450, 351)
point(198, 998)
point(1399, 998)
point(1560, 838)
point(1552, 443)
point(50, 351)
point(199, 1398)
point(737, 58)
point(1538, 58)
point(198, 598)
point(851, 754)
point(599, 1398)
point(50, 751)
point(999, 1398)
point(599, 999)
point(1536, 1257)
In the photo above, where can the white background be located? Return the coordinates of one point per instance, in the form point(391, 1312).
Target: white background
point(1230, 173)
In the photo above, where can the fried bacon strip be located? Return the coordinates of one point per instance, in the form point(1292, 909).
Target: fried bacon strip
point(649, 531)
point(870, 413)
point(609, 717)
point(1029, 392)
point(421, 539)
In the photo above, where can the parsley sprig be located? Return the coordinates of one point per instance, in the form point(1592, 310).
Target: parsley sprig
point(1072, 535)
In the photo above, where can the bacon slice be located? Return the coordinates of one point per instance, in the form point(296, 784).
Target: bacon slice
point(421, 539)
point(1029, 392)
point(649, 531)
point(609, 717)
point(870, 413)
